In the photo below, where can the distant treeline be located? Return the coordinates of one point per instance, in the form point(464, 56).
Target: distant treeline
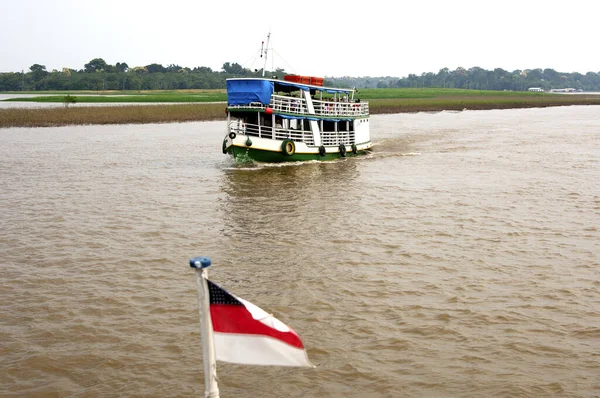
point(480, 79)
point(98, 75)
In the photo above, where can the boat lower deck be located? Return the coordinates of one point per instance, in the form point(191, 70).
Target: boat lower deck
point(246, 147)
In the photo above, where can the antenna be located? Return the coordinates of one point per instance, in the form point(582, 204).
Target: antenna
point(265, 50)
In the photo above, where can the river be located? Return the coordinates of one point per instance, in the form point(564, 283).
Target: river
point(459, 259)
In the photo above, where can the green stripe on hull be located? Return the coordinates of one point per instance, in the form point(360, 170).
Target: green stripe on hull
point(248, 154)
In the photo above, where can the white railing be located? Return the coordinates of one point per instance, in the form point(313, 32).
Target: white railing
point(267, 132)
point(281, 103)
point(295, 135)
point(337, 137)
point(252, 105)
point(341, 108)
point(279, 133)
point(296, 105)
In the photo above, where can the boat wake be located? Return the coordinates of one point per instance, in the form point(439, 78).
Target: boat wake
point(386, 148)
point(254, 165)
point(391, 147)
point(373, 155)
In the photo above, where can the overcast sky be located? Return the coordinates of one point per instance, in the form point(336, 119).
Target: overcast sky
point(321, 38)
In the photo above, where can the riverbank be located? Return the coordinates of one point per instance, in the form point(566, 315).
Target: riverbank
point(78, 114)
point(74, 115)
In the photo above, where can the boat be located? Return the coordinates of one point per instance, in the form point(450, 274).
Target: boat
point(295, 118)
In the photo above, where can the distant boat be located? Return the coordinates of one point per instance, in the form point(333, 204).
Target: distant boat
point(564, 90)
point(295, 119)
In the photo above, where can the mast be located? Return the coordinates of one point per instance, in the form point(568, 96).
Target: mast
point(211, 388)
point(265, 50)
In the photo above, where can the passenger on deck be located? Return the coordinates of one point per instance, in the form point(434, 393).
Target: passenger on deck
point(295, 105)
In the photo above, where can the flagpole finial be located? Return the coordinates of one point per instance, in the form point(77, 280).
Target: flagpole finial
point(200, 262)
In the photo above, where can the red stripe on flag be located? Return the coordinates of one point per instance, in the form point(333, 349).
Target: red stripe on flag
point(237, 319)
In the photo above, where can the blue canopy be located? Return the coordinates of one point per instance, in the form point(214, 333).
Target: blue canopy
point(292, 117)
point(243, 92)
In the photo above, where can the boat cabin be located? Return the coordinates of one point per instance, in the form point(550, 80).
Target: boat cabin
point(296, 108)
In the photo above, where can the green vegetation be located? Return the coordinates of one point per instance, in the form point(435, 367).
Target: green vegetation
point(69, 99)
point(476, 102)
point(480, 79)
point(131, 114)
point(380, 101)
point(198, 93)
point(149, 97)
point(382, 93)
point(438, 99)
point(100, 76)
point(184, 96)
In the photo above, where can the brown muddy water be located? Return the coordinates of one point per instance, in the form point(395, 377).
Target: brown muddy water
point(459, 259)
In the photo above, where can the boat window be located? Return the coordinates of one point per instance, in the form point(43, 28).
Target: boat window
point(251, 118)
point(266, 120)
point(306, 125)
point(328, 125)
point(343, 126)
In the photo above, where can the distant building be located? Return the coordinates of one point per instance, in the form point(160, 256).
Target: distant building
point(536, 89)
point(563, 90)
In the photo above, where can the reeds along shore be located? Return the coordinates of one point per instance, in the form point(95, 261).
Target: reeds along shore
point(140, 114)
point(123, 114)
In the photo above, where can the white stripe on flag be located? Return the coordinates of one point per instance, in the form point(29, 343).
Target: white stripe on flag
point(258, 350)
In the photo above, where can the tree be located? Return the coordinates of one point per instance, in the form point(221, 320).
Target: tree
point(233, 69)
point(121, 76)
point(173, 68)
point(535, 74)
point(11, 81)
point(202, 69)
point(38, 73)
point(37, 68)
point(95, 65)
point(479, 77)
point(155, 68)
point(68, 100)
point(442, 75)
point(140, 70)
point(122, 67)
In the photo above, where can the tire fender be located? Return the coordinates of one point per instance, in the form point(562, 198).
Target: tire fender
point(288, 147)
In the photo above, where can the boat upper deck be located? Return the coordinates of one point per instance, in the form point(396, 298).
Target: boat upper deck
point(287, 98)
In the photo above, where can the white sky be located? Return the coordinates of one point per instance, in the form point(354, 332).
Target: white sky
point(320, 38)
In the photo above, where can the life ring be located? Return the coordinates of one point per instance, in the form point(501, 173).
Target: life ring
point(343, 150)
point(288, 147)
point(322, 150)
point(232, 135)
point(354, 149)
point(225, 146)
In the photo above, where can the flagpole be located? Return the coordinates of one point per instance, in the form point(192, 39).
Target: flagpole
point(208, 345)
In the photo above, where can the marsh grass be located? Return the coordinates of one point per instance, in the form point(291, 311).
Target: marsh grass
point(130, 114)
point(475, 102)
point(167, 97)
point(386, 93)
point(380, 101)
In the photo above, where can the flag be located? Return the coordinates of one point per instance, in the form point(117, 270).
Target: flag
point(245, 334)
